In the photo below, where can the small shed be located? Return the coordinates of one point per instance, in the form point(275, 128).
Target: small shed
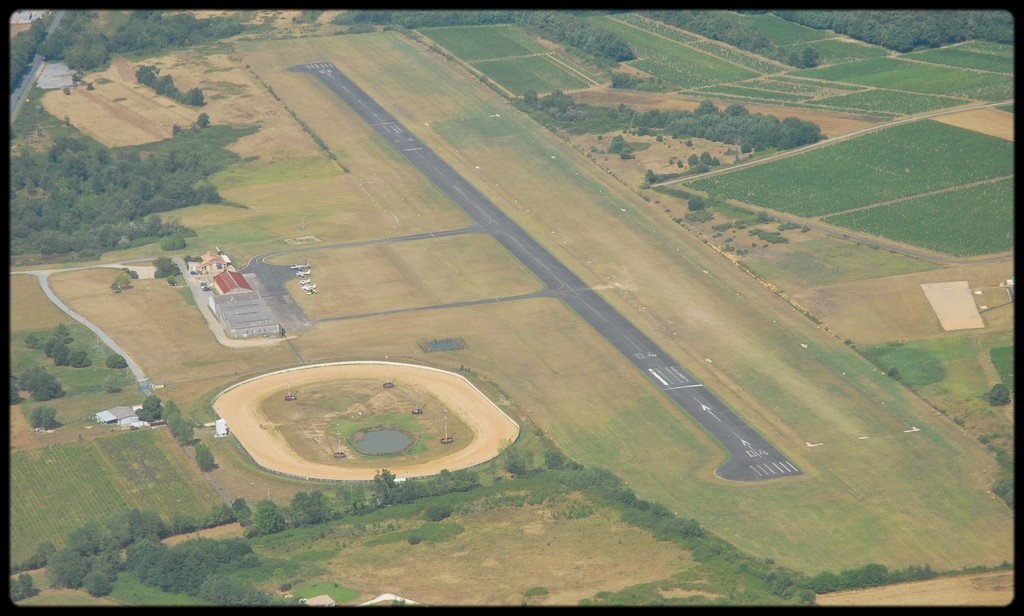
point(221, 428)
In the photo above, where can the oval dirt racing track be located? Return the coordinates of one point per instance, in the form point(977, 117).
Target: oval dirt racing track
point(239, 407)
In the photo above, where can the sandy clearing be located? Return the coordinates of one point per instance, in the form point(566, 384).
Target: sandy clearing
point(988, 121)
point(239, 405)
point(986, 589)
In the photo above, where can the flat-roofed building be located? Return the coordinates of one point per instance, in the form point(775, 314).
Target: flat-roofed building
point(245, 314)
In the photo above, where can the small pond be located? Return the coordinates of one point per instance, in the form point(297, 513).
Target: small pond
point(385, 440)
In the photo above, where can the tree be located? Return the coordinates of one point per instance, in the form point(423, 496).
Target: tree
point(309, 509)
point(68, 568)
point(79, 358)
point(204, 458)
point(23, 588)
point(40, 384)
point(100, 581)
point(999, 396)
point(121, 281)
point(181, 429)
point(116, 361)
point(44, 417)
point(695, 204)
point(515, 461)
point(15, 392)
point(242, 511)
point(267, 520)
point(151, 409)
point(203, 121)
point(172, 242)
point(384, 487)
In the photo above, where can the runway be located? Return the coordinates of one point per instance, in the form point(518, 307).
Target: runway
point(751, 457)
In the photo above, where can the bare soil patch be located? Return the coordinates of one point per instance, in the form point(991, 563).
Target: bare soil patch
point(988, 121)
point(226, 531)
point(985, 589)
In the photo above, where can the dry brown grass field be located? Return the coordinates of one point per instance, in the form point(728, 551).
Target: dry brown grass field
point(981, 590)
point(366, 279)
point(871, 493)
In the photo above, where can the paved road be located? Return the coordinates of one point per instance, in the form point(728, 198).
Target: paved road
point(18, 97)
point(751, 458)
point(44, 283)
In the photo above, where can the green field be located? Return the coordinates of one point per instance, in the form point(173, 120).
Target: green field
point(472, 44)
point(907, 160)
point(1002, 359)
point(780, 31)
point(75, 483)
point(967, 222)
point(966, 58)
point(918, 77)
point(541, 74)
point(892, 102)
point(672, 61)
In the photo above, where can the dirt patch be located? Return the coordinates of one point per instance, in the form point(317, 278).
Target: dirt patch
point(988, 121)
point(226, 531)
point(240, 406)
point(985, 589)
point(953, 304)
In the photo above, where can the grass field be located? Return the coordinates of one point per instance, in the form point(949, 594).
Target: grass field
point(894, 497)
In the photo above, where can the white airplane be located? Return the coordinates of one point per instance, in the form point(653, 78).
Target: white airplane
point(300, 266)
point(302, 273)
point(309, 287)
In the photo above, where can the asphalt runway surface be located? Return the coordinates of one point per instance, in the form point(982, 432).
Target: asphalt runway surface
point(751, 457)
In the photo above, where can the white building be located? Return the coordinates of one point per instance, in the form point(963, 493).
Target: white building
point(221, 428)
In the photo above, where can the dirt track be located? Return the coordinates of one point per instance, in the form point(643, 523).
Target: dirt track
point(239, 406)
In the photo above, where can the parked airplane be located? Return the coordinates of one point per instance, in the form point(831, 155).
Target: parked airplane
point(302, 273)
point(311, 286)
point(300, 266)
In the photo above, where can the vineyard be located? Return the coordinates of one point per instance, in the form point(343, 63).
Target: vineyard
point(966, 58)
point(918, 77)
point(962, 222)
point(75, 483)
point(902, 161)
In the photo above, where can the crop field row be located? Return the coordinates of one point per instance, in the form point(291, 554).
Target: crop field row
point(781, 31)
point(538, 73)
point(727, 53)
point(838, 51)
point(899, 74)
point(756, 94)
point(895, 102)
point(78, 482)
point(965, 222)
point(960, 57)
point(474, 43)
point(674, 62)
point(902, 161)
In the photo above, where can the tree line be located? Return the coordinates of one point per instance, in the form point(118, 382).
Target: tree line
point(734, 124)
point(78, 196)
point(23, 49)
point(164, 86)
point(908, 30)
point(85, 42)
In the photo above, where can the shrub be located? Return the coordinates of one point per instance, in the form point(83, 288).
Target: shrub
point(414, 539)
point(436, 513)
